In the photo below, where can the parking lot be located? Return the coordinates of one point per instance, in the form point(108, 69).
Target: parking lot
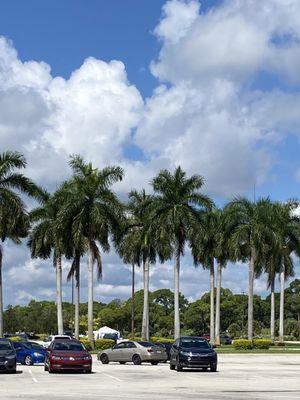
point(239, 377)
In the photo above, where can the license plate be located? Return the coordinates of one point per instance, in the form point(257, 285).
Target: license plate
point(158, 352)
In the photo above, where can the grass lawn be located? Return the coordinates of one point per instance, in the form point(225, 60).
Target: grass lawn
point(287, 349)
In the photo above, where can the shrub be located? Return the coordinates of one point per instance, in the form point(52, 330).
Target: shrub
point(103, 344)
point(16, 339)
point(155, 339)
point(243, 344)
point(280, 344)
point(87, 344)
point(262, 343)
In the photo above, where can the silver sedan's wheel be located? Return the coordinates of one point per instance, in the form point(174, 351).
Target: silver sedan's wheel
point(104, 358)
point(136, 359)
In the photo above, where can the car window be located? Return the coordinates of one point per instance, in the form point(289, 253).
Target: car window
point(146, 344)
point(130, 345)
point(5, 346)
point(121, 345)
point(26, 346)
point(198, 343)
point(35, 346)
point(68, 346)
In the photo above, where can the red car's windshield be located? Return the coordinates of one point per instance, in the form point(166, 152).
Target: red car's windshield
point(68, 346)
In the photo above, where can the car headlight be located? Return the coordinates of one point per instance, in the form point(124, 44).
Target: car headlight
point(38, 354)
point(11, 357)
point(56, 358)
point(87, 358)
point(185, 353)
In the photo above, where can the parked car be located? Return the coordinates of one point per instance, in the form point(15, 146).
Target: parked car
point(193, 352)
point(8, 357)
point(167, 346)
point(136, 352)
point(225, 339)
point(68, 354)
point(206, 336)
point(29, 353)
point(49, 339)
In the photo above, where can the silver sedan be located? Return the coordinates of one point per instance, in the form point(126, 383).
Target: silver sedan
point(136, 352)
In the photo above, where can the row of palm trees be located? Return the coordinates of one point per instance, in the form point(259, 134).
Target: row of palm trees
point(84, 217)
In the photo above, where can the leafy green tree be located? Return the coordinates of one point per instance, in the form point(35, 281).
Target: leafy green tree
point(96, 213)
point(178, 206)
point(14, 222)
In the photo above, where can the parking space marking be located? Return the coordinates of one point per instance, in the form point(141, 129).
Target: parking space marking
point(32, 376)
point(111, 376)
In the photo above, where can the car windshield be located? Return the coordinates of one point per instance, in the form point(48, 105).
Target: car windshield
point(198, 343)
point(146, 344)
point(5, 346)
point(68, 346)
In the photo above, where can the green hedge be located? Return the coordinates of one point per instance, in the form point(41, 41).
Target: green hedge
point(243, 344)
point(262, 343)
point(100, 344)
point(16, 339)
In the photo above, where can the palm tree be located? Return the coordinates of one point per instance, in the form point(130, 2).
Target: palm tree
point(203, 244)
point(75, 273)
point(139, 244)
point(14, 222)
point(96, 214)
point(222, 254)
point(178, 208)
point(46, 239)
point(287, 232)
point(251, 234)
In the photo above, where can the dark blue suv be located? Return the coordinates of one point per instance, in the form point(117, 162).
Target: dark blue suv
point(193, 352)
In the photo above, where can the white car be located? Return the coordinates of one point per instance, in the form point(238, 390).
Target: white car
point(49, 339)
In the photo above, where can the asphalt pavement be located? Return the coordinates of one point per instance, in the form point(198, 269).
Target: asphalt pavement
point(242, 376)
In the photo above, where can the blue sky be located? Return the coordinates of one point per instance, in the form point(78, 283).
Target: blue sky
point(211, 86)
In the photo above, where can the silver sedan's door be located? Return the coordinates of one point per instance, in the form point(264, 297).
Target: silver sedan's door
point(129, 351)
point(117, 352)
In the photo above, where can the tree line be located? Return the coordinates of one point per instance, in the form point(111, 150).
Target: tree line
point(39, 317)
point(85, 217)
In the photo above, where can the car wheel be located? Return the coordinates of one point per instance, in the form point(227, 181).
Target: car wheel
point(104, 358)
point(28, 360)
point(154, 362)
point(172, 367)
point(136, 359)
point(213, 368)
point(122, 362)
point(178, 367)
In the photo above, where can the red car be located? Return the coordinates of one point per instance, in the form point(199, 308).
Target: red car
point(67, 355)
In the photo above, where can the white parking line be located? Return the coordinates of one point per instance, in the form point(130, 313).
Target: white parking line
point(111, 376)
point(32, 377)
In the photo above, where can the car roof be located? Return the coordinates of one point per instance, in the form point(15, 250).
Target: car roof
point(193, 337)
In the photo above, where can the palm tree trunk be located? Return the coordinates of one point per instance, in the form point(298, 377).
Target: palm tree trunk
point(90, 295)
point(77, 303)
point(132, 301)
point(281, 308)
point(145, 322)
point(176, 294)
point(212, 301)
point(1, 296)
point(250, 294)
point(272, 325)
point(60, 325)
point(218, 303)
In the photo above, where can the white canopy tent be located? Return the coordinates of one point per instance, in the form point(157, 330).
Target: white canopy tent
point(105, 330)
